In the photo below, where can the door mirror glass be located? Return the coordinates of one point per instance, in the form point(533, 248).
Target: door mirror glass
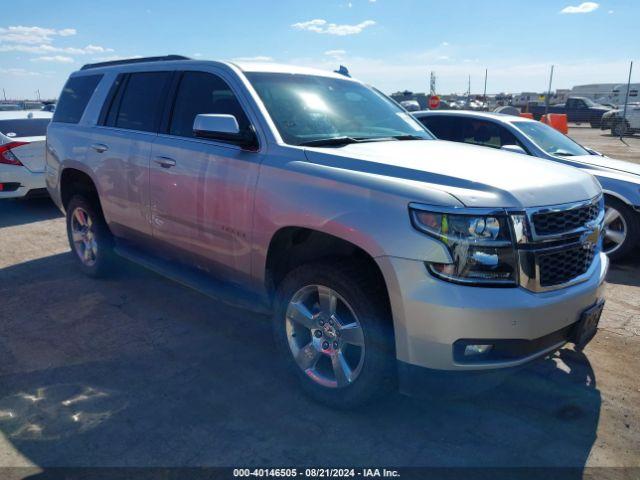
point(513, 149)
point(217, 126)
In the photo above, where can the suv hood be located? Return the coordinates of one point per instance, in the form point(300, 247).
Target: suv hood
point(476, 176)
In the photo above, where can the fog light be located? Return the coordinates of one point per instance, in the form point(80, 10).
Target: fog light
point(470, 350)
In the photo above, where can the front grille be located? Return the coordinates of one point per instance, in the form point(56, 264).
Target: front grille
point(558, 222)
point(562, 266)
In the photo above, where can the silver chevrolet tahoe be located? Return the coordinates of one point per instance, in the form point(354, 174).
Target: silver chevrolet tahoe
point(384, 256)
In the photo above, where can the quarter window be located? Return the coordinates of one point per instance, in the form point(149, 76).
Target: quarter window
point(201, 92)
point(75, 97)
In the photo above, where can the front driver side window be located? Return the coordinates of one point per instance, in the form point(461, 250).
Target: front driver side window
point(201, 92)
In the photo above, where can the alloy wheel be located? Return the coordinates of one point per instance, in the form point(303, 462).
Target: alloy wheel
point(83, 236)
point(615, 230)
point(325, 336)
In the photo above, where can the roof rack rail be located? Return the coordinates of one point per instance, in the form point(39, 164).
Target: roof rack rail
point(128, 61)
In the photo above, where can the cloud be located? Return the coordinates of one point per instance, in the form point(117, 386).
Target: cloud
point(32, 35)
point(257, 58)
point(67, 32)
point(47, 49)
point(319, 25)
point(336, 54)
point(584, 7)
point(112, 58)
point(18, 72)
point(196, 55)
point(53, 58)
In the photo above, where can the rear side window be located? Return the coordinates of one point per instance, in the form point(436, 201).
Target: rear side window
point(74, 98)
point(201, 92)
point(24, 127)
point(441, 127)
point(139, 105)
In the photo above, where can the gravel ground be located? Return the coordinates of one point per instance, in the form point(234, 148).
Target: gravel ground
point(138, 371)
point(601, 140)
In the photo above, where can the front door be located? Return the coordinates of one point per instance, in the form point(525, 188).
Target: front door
point(202, 190)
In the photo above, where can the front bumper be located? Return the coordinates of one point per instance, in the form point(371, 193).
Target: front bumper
point(26, 179)
point(431, 315)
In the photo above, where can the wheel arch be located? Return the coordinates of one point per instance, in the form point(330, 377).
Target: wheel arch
point(292, 246)
point(73, 181)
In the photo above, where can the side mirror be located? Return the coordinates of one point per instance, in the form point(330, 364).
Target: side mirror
point(513, 149)
point(223, 127)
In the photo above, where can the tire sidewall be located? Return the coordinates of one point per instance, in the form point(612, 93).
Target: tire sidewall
point(102, 236)
point(376, 375)
point(633, 228)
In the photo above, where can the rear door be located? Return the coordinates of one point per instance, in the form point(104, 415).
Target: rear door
point(201, 189)
point(121, 149)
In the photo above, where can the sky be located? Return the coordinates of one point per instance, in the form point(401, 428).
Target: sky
point(391, 44)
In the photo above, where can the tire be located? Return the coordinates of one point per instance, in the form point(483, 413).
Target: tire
point(627, 220)
point(371, 367)
point(94, 233)
point(619, 128)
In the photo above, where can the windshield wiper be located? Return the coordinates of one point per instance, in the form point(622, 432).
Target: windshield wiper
point(409, 137)
point(330, 142)
point(564, 154)
point(340, 141)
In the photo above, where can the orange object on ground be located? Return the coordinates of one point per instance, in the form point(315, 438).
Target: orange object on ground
point(527, 115)
point(557, 121)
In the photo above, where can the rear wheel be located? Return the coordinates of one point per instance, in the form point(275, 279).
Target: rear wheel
point(89, 236)
point(621, 229)
point(335, 333)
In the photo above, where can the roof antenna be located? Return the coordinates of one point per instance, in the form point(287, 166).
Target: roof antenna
point(343, 71)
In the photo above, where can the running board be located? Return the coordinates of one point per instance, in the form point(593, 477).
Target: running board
point(195, 279)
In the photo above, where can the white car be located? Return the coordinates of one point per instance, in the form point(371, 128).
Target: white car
point(22, 140)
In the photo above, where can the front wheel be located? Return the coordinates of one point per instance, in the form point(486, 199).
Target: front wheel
point(620, 128)
point(621, 229)
point(334, 330)
point(89, 237)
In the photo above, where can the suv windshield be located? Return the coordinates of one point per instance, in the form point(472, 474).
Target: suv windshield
point(308, 109)
point(550, 140)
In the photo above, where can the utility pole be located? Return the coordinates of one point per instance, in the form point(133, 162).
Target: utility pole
point(546, 102)
point(38, 92)
point(469, 92)
point(485, 89)
point(432, 84)
point(4, 94)
point(626, 100)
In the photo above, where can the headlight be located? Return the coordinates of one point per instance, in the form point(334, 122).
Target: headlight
point(479, 244)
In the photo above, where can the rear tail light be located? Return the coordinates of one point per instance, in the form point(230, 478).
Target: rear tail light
point(7, 156)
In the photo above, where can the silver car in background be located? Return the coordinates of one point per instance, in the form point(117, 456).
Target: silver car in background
point(620, 180)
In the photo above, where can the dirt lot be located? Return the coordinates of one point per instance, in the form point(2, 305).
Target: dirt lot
point(602, 141)
point(136, 371)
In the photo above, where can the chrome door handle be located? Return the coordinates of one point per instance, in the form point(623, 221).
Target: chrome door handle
point(100, 147)
point(165, 162)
